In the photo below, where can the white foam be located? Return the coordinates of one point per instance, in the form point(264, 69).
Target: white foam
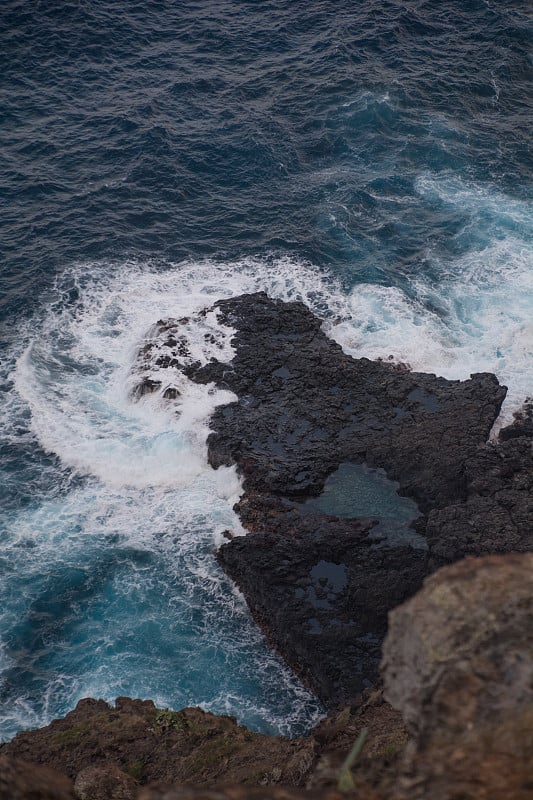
point(476, 317)
point(94, 525)
point(365, 99)
point(145, 484)
point(76, 378)
point(77, 375)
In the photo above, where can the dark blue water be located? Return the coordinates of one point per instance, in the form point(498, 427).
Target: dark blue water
point(372, 159)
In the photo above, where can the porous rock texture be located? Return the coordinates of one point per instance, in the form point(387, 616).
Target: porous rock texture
point(497, 514)
point(321, 587)
point(458, 664)
point(305, 407)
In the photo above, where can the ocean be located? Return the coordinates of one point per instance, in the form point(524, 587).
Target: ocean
point(371, 159)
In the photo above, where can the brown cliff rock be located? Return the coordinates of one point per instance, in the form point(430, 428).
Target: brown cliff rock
point(150, 744)
point(458, 664)
point(20, 780)
point(105, 783)
point(239, 793)
point(112, 753)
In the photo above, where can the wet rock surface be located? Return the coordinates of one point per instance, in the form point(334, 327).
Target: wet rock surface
point(497, 514)
point(458, 664)
point(304, 407)
point(323, 588)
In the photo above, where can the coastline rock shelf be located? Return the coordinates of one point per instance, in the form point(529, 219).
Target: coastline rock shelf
point(319, 585)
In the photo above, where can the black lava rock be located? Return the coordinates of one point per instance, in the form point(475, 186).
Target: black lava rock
point(319, 586)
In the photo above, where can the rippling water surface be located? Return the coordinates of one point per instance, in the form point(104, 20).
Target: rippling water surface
point(372, 159)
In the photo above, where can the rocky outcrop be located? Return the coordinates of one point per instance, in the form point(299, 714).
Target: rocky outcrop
point(319, 586)
point(321, 589)
point(106, 782)
point(150, 744)
point(103, 752)
point(458, 664)
point(316, 769)
point(305, 407)
point(458, 660)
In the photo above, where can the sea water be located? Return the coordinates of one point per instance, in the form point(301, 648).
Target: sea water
point(359, 491)
point(369, 159)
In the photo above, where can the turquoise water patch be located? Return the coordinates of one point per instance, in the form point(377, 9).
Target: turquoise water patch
point(356, 490)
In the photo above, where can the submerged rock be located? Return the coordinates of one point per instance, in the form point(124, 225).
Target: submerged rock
point(458, 664)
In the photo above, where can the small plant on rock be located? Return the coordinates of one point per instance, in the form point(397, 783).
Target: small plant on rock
point(167, 720)
point(346, 781)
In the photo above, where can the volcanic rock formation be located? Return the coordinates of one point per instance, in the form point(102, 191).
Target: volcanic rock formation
point(320, 586)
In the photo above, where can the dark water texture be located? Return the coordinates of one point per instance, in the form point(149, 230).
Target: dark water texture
point(172, 130)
